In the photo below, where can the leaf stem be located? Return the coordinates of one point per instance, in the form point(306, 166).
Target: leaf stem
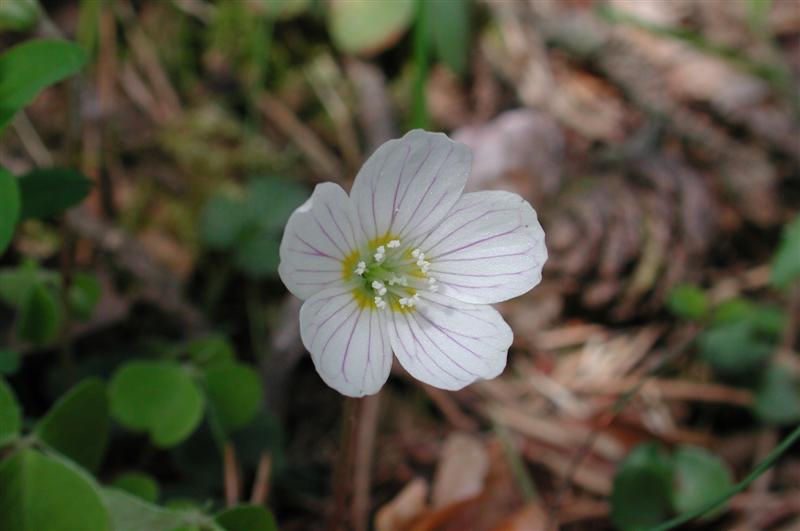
point(736, 489)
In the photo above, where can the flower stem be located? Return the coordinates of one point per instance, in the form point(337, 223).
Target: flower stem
point(342, 479)
point(736, 489)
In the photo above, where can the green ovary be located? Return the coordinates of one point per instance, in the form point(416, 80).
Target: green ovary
point(385, 275)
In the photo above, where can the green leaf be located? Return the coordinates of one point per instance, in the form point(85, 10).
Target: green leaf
point(451, 27)
point(18, 15)
point(259, 256)
point(77, 425)
point(734, 349)
point(48, 193)
point(183, 504)
point(285, 9)
point(40, 317)
point(83, 295)
point(640, 497)
point(222, 222)
point(777, 398)
point(786, 266)
point(234, 394)
point(39, 493)
point(9, 361)
point(733, 310)
point(131, 513)
point(367, 27)
point(688, 302)
point(28, 68)
point(10, 414)
point(139, 484)
point(9, 208)
point(246, 518)
point(766, 320)
point(16, 282)
point(271, 200)
point(158, 397)
point(213, 348)
point(700, 477)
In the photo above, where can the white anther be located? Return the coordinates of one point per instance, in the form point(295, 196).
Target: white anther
point(433, 284)
point(416, 253)
point(380, 253)
point(401, 280)
point(409, 302)
point(379, 288)
point(361, 268)
point(423, 265)
point(393, 244)
point(380, 303)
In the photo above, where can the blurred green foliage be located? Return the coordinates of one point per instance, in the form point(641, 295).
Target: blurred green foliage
point(10, 415)
point(250, 227)
point(77, 426)
point(689, 302)
point(49, 192)
point(32, 66)
point(651, 484)
point(46, 493)
point(139, 484)
point(9, 208)
point(159, 397)
point(786, 267)
point(46, 480)
point(19, 15)
point(740, 337)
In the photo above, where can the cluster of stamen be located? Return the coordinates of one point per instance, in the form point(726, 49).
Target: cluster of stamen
point(393, 276)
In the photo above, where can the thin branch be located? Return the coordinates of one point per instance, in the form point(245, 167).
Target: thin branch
point(231, 475)
point(261, 483)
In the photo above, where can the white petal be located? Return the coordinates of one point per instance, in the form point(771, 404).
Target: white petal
point(320, 234)
point(408, 185)
point(490, 248)
point(348, 343)
point(450, 344)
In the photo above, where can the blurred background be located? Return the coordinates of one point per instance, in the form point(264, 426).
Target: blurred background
point(654, 366)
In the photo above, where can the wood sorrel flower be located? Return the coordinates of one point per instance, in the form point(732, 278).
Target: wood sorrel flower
point(409, 263)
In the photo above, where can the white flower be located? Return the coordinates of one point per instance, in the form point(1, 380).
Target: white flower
point(409, 263)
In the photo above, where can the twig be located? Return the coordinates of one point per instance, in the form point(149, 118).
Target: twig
point(261, 483)
point(365, 450)
point(670, 390)
point(790, 331)
point(231, 475)
point(651, 368)
point(160, 286)
point(285, 352)
point(450, 409)
point(321, 75)
point(318, 154)
point(374, 105)
point(145, 53)
point(201, 10)
point(32, 141)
